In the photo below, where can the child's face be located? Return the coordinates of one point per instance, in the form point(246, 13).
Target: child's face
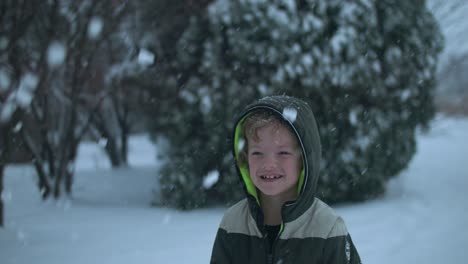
point(274, 161)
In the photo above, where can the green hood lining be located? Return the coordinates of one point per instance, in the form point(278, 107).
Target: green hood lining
point(243, 168)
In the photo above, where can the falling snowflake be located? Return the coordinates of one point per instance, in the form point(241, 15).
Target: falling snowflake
point(56, 54)
point(210, 179)
point(4, 81)
point(262, 88)
point(353, 117)
point(290, 114)
point(26, 89)
point(241, 144)
point(95, 27)
point(145, 57)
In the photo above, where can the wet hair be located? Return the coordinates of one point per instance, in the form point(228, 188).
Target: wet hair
point(253, 123)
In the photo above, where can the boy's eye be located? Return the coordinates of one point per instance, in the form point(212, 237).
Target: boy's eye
point(285, 153)
point(256, 153)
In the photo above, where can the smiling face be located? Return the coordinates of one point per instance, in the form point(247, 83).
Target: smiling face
point(274, 160)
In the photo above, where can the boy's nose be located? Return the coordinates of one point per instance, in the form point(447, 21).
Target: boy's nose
point(270, 162)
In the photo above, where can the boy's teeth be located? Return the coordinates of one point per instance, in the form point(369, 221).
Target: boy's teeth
point(270, 177)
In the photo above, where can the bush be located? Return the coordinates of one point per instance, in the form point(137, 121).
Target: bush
point(365, 67)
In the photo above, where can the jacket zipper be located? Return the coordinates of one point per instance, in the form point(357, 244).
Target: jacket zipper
point(271, 256)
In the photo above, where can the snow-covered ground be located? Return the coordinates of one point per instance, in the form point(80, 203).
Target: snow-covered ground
point(422, 218)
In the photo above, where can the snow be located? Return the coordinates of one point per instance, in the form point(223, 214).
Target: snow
point(210, 179)
point(4, 81)
point(290, 114)
point(263, 88)
point(145, 57)
point(421, 219)
point(56, 54)
point(311, 20)
point(206, 100)
point(339, 40)
point(22, 97)
point(241, 144)
point(188, 96)
point(95, 27)
point(6, 111)
point(353, 117)
point(405, 94)
point(3, 42)
point(307, 60)
point(26, 88)
point(278, 16)
point(290, 4)
point(130, 65)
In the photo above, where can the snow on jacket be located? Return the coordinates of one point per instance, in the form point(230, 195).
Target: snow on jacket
point(310, 232)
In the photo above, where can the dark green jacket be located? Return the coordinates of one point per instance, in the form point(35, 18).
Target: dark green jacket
point(311, 232)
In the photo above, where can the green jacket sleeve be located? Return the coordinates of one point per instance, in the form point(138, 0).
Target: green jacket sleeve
point(340, 249)
point(220, 253)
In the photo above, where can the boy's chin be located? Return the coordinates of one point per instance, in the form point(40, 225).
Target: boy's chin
point(279, 194)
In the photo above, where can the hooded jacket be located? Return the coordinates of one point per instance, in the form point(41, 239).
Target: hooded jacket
point(310, 232)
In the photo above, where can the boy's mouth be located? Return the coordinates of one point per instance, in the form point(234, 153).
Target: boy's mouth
point(271, 177)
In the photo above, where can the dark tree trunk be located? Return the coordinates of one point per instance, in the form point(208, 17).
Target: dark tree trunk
point(4, 157)
point(124, 144)
point(43, 184)
point(113, 153)
point(2, 223)
point(69, 172)
point(69, 183)
point(117, 154)
point(58, 179)
point(124, 126)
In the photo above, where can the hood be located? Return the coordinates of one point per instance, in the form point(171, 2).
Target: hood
point(300, 117)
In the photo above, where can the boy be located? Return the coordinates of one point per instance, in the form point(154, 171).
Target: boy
point(277, 151)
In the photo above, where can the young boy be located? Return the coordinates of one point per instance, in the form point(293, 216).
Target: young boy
point(277, 151)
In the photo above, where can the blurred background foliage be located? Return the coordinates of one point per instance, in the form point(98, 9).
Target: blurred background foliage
point(182, 70)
